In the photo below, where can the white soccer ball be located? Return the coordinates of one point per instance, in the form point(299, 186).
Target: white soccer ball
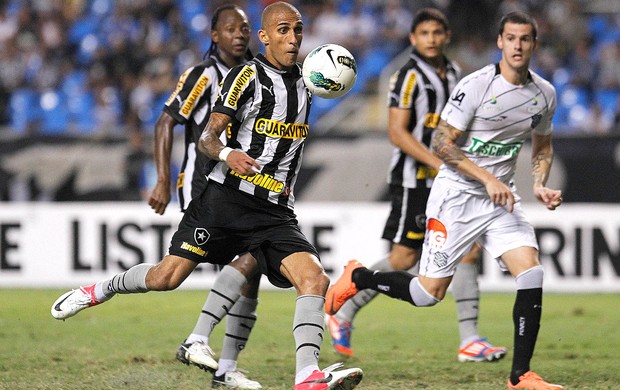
point(329, 71)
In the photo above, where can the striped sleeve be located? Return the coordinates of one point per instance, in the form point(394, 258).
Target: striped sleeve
point(190, 89)
point(237, 85)
point(403, 89)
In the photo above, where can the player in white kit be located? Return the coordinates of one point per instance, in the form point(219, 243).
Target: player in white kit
point(487, 119)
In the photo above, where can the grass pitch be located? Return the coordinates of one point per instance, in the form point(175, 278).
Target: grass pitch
point(130, 343)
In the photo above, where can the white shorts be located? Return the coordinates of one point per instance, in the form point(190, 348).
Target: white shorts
point(455, 220)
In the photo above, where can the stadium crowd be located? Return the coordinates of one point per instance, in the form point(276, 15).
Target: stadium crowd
point(106, 67)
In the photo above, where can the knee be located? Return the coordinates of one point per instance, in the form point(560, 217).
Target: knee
point(247, 265)
point(315, 283)
point(428, 291)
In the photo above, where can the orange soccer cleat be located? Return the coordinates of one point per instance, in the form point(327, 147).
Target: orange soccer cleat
point(343, 289)
point(532, 381)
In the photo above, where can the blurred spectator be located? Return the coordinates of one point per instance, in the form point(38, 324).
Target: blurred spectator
point(102, 66)
point(609, 69)
point(395, 26)
point(359, 30)
point(8, 27)
point(473, 53)
point(582, 64)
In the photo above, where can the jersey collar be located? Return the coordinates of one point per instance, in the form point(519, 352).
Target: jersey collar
point(498, 71)
point(220, 63)
point(415, 55)
point(295, 72)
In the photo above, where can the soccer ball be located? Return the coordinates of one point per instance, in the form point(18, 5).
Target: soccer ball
point(329, 71)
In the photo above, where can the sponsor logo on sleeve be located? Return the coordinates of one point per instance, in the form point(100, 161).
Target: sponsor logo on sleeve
point(178, 88)
point(194, 96)
point(458, 97)
point(242, 79)
point(408, 89)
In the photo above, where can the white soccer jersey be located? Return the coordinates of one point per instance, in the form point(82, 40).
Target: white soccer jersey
point(496, 117)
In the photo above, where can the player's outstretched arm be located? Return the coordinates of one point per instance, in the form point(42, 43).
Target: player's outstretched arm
point(444, 145)
point(160, 197)
point(542, 157)
point(211, 145)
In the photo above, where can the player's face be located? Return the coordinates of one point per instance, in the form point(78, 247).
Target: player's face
point(430, 38)
point(232, 35)
point(517, 44)
point(282, 37)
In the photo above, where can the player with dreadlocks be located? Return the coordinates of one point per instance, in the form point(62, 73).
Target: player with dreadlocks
point(190, 104)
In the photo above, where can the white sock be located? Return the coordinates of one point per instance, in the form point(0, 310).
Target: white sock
point(224, 366)
point(468, 340)
point(192, 338)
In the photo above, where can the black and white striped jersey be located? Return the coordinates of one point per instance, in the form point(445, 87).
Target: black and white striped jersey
point(496, 118)
point(190, 104)
point(269, 110)
point(417, 87)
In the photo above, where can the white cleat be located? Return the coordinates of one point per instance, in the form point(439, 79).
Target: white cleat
point(235, 380)
point(199, 354)
point(74, 301)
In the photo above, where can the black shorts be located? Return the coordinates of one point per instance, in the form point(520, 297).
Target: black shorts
point(406, 224)
point(224, 222)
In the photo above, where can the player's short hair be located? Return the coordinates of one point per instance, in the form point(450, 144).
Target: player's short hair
point(426, 14)
point(518, 17)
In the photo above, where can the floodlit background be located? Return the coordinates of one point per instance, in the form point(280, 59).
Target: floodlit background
point(82, 83)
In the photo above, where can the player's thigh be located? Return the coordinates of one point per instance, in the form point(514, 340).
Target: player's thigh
point(510, 233)
point(207, 231)
point(271, 245)
point(455, 220)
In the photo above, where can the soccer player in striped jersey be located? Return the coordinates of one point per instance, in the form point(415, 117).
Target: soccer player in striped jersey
point(190, 104)
point(417, 93)
point(488, 117)
point(247, 205)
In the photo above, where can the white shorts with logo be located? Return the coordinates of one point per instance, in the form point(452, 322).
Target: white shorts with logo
point(455, 220)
